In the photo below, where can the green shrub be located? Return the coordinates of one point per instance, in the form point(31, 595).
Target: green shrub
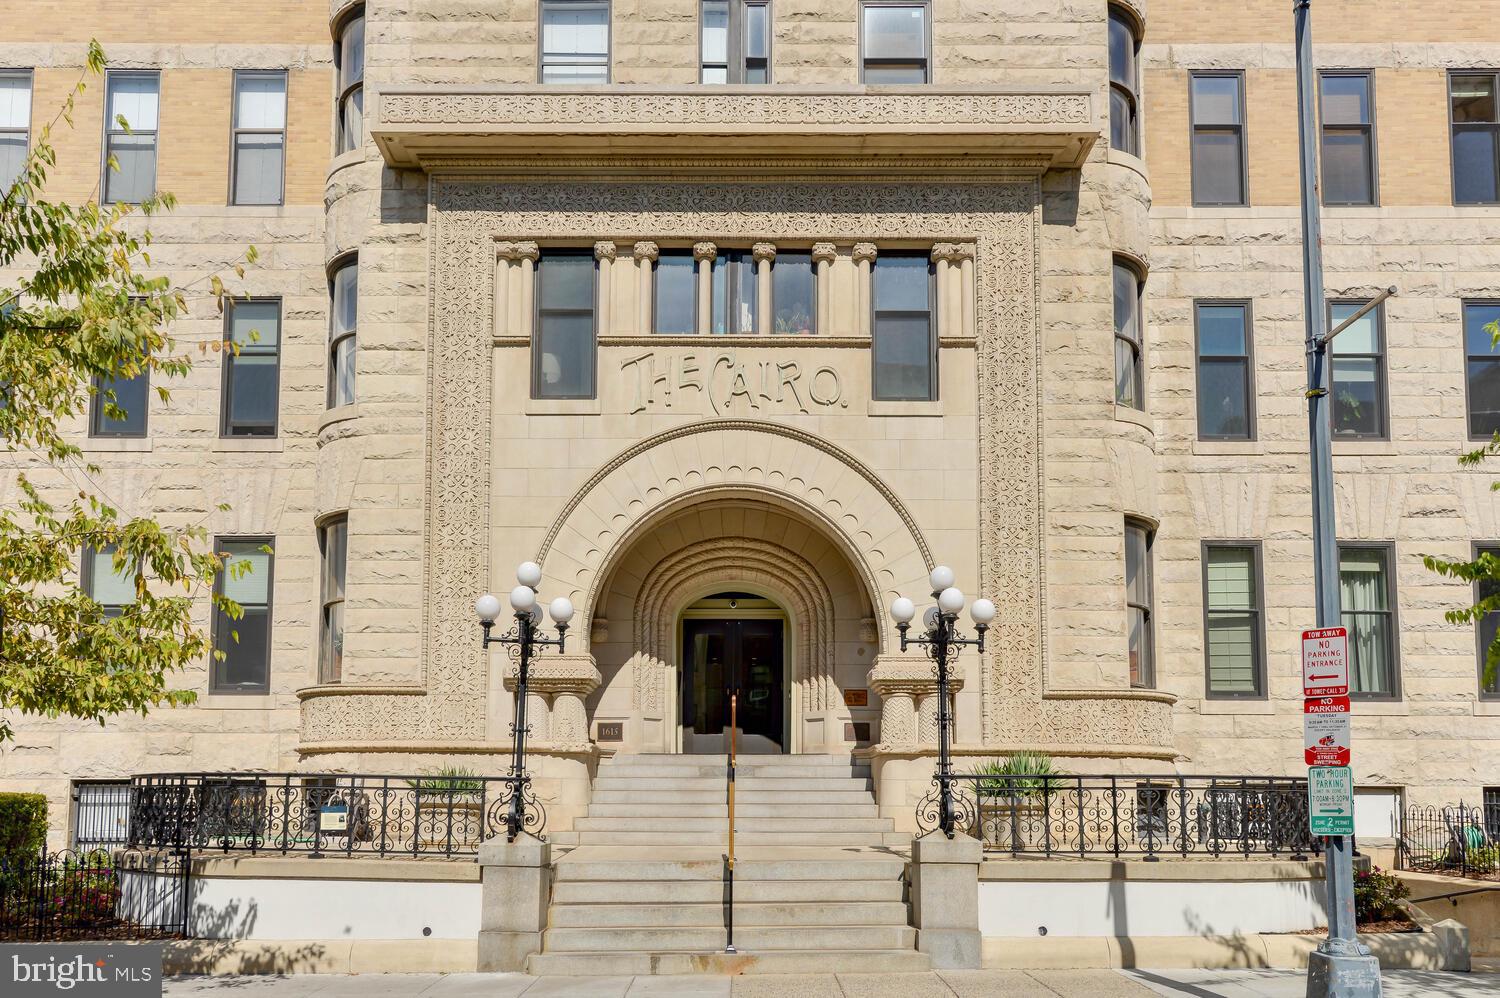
point(1378, 896)
point(1021, 774)
point(23, 825)
point(455, 781)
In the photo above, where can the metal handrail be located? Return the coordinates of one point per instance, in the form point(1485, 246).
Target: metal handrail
point(729, 867)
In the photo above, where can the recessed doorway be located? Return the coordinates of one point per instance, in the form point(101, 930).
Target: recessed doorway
point(733, 643)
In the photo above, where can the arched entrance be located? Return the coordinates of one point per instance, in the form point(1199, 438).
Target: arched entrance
point(734, 645)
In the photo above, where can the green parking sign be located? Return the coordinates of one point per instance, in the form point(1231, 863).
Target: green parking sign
point(1330, 800)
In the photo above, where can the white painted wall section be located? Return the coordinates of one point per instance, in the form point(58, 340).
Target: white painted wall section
point(247, 908)
point(1149, 908)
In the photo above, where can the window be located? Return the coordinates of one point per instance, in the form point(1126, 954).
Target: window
point(1482, 368)
point(1138, 604)
point(794, 295)
point(128, 393)
point(562, 354)
point(350, 55)
point(575, 41)
point(1348, 132)
point(130, 136)
point(333, 542)
point(246, 643)
point(894, 38)
point(252, 374)
point(342, 335)
point(1367, 594)
point(1358, 373)
point(1476, 137)
point(1130, 374)
point(1218, 113)
point(904, 348)
point(1226, 375)
point(675, 303)
point(259, 137)
point(1492, 812)
point(736, 41)
point(733, 288)
point(15, 126)
point(101, 815)
point(1488, 627)
point(112, 590)
point(1124, 82)
point(1233, 627)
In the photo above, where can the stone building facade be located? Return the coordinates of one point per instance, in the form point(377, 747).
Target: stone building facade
point(935, 292)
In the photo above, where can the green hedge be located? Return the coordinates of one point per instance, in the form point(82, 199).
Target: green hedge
point(23, 824)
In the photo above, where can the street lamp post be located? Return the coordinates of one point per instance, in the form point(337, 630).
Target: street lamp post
point(943, 644)
point(521, 809)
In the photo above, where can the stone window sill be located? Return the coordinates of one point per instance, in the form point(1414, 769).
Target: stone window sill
point(1372, 448)
point(1380, 708)
point(1487, 708)
point(1209, 448)
point(1129, 162)
point(888, 407)
point(563, 407)
point(1125, 414)
point(339, 415)
point(118, 445)
point(1236, 707)
point(258, 445)
point(235, 701)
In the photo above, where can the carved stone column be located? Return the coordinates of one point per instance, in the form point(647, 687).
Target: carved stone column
point(765, 255)
point(823, 255)
point(526, 256)
point(864, 258)
point(513, 263)
point(966, 290)
point(564, 681)
point(945, 256)
point(703, 258)
point(907, 686)
point(645, 260)
point(604, 254)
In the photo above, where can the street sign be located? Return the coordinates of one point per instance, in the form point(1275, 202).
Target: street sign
point(1330, 800)
point(1325, 662)
point(1325, 731)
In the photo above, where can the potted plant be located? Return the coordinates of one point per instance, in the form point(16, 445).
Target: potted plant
point(450, 807)
point(1012, 804)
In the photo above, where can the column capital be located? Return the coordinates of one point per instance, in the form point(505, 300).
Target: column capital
point(604, 250)
point(517, 251)
point(949, 252)
point(647, 251)
point(824, 252)
point(705, 251)
point(864, 252)
point(912, 675)
point(763, 251)
point(552, 674)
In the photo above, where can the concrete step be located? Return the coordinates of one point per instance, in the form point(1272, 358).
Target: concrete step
point(750, 938)
point(649, 892)
point(634, 809)
point(664, 837)
point(746, 914)
point(629, 864)
point(720, 823)
point(743, 962)
point(719, 795)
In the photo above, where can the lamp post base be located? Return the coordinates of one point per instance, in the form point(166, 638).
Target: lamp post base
point(1337, 976)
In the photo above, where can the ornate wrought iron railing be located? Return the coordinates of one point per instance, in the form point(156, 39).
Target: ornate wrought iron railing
point(1153, 817)
point(327, 814)
point(1457, 839)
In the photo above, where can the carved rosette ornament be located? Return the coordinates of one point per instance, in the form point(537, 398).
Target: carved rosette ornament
point(647, 251)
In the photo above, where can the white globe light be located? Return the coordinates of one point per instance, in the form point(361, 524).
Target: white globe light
point(561, 610)
point(522, 598)
point(930, 618)
point(488, 608)
point(903, 610)
point(951, 600)
point(529, 574)
point(983, 611)
point(941, 578)
point(536, 615)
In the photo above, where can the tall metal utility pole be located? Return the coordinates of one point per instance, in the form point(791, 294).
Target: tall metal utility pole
point(1341, 967)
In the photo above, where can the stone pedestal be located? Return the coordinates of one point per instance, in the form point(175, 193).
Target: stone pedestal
point(517, 887)
point(945, 899)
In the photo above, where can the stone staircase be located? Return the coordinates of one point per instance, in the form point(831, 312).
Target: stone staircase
point(639, 883)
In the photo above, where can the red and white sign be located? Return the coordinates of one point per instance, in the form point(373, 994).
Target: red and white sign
point(1325, 662)
point(1325, 731)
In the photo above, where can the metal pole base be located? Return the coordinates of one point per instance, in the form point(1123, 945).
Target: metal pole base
point(1336, 976)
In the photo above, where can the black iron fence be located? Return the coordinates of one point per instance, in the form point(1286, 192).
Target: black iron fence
point(320, 815)
point(94, 895)
point(1457, 839)
point(1154, 817)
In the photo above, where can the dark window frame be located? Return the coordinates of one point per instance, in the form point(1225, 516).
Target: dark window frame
point(112, 128)
point(1241, 128)
point(1382, 382)
point(1480, 648)
point(1248, 306)
point(1392, 616)
point(1146, 677)
point(736, 69)
point(1258, 631)
point(1372, 163)
point(337, 337)
point(1454, 127)
point(222, 625)
point(934, 348)
point(226, 381)
point(30, 77)
point(326, 674)
point(609, 41)
point(592, 312)
point(235, 131)
point(1469, 358)
point(1132, 93)
point(343, 142)
point(1138, 345)
point(865, 63)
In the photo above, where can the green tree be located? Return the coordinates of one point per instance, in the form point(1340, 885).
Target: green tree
point(1485, 568)
point(86, 312)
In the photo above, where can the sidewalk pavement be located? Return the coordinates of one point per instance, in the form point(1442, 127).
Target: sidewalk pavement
point(942, 984)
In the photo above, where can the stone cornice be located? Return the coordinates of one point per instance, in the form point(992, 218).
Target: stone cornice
point(435, 127)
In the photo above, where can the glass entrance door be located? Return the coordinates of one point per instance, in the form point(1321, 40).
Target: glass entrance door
point(720, 657)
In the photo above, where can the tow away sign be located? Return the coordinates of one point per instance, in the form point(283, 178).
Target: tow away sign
point(1330, 800)
point(1325, 731)
point(1325, 662)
